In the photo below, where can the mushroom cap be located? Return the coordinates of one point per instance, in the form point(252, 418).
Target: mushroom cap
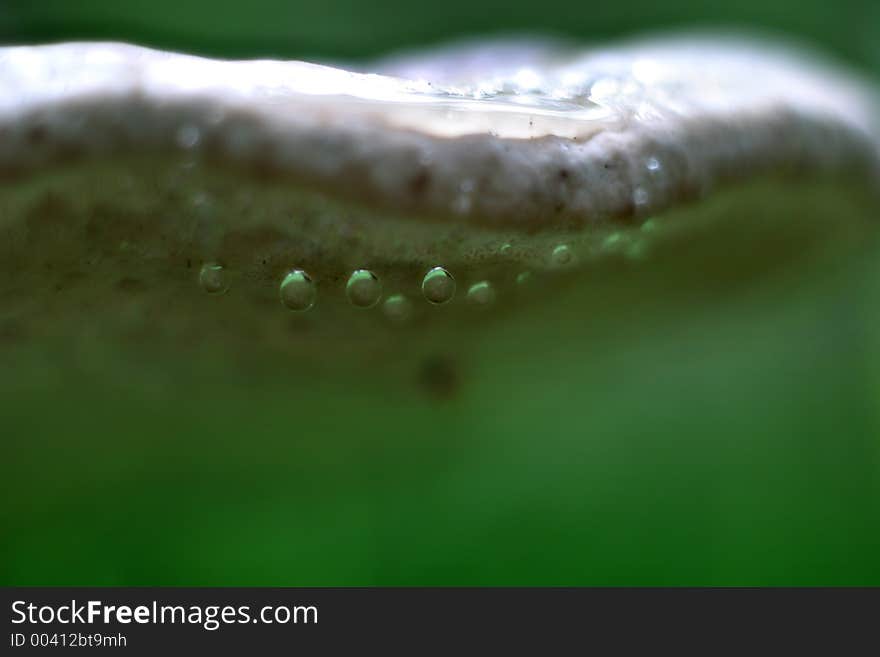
point(519, 135)
point(141, 176)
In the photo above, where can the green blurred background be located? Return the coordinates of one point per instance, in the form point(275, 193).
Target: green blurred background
point(353, 28)
point(717, 433)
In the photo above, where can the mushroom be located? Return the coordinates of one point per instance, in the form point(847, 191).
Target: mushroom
point(507, 314)
point(326, 188)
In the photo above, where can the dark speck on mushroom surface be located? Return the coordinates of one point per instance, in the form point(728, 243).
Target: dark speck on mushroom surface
point(439, 377)
point(419, 183)
point(37, 134)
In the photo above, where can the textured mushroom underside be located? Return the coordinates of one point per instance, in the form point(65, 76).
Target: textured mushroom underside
point(514, 135)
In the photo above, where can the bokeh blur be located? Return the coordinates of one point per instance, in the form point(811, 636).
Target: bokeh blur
point(731, 436)
point(356, 29)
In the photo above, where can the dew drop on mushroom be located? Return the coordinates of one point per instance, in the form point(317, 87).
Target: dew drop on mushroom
point(438, 286)
point(212, 278)
point(297, 290)
point(363, 288)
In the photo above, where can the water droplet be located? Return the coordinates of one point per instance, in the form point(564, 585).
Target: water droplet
point(481, 294)
point(363, 288)
point(297, 290)
point(397, 307)
point(637, 250)
point(212, 279)
point(188, 136)
point(524, 277)
point(652, 164)
point(613, 243)
point(650, 226)
point(562, 256)
point(527, 79)
point(505, 249)
point(438, 286)
point(640, 197)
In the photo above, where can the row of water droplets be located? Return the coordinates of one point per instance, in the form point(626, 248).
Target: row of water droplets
point(298, 290)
